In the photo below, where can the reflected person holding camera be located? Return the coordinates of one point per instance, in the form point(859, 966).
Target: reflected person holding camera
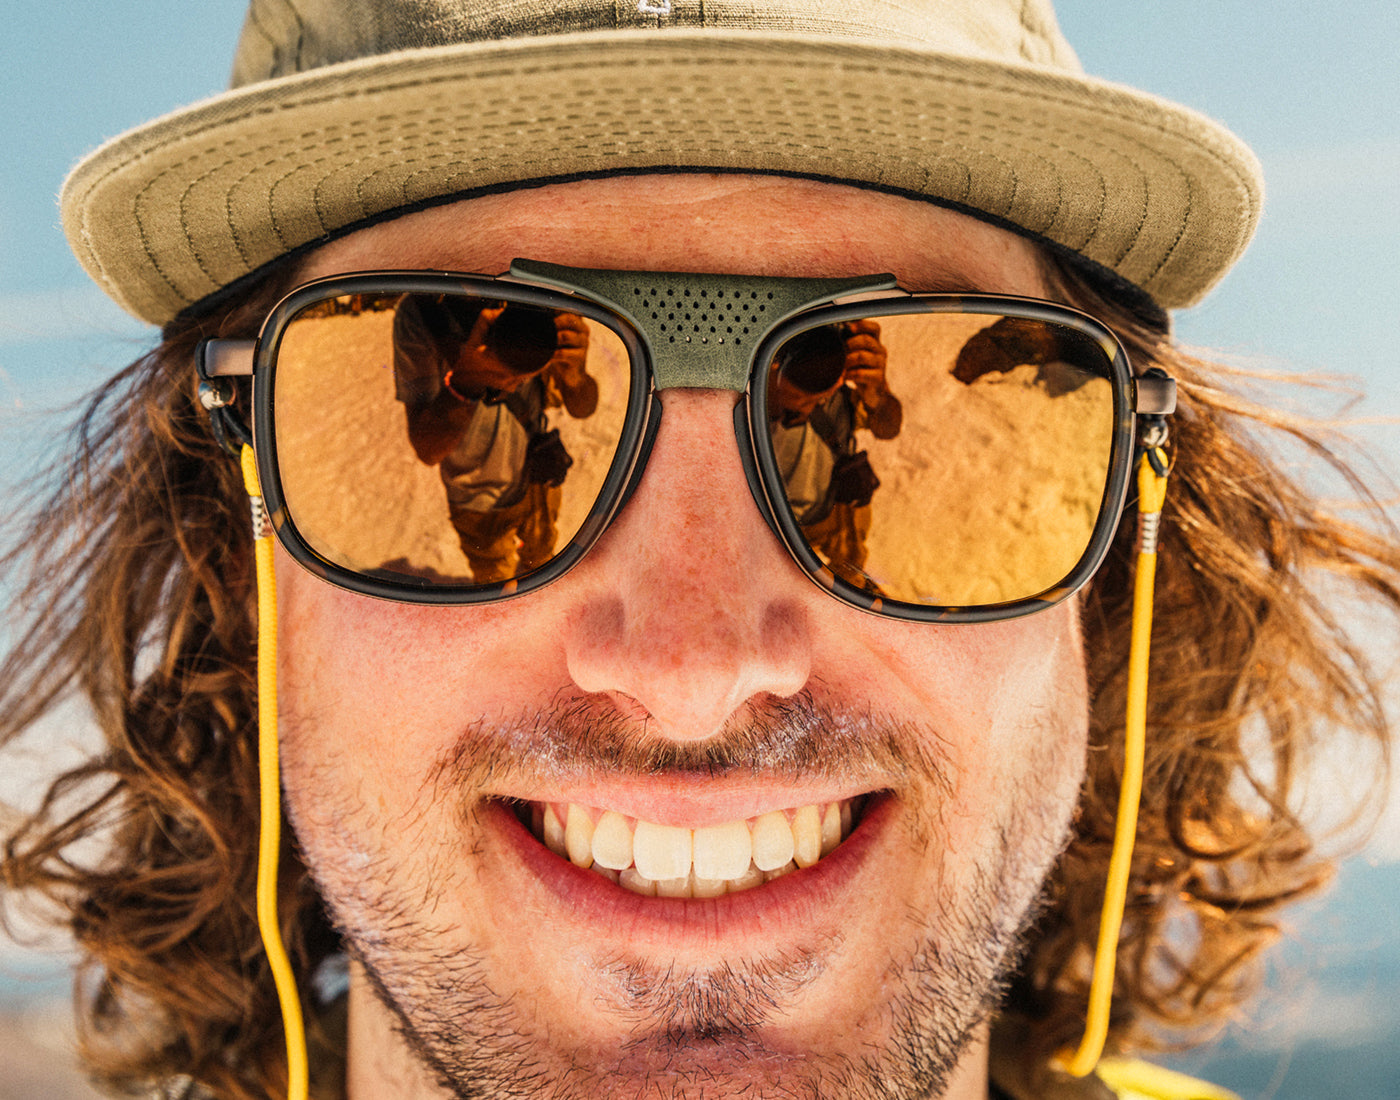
point(825, 385)
point(476, 380)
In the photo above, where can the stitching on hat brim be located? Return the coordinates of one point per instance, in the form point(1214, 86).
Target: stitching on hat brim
point(1098, 96)
point(292, 105)
point(1113, 284)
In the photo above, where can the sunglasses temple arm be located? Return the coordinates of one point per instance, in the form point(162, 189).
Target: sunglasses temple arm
point(1152, 491)
point(270, 815)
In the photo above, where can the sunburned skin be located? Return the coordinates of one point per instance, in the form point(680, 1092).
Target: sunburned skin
point(684, 684)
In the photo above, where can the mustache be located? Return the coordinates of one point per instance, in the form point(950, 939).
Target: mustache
point(790, 738)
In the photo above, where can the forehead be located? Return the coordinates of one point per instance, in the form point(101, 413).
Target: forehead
point(754, 225)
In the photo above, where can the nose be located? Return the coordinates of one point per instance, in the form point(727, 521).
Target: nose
point(690, 607)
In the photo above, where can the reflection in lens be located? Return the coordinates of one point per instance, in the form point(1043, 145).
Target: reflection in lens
point(446, 438)
point(985, 489)
point(826, 385)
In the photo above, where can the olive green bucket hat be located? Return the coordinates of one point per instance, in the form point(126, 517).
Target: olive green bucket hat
point(343, 112)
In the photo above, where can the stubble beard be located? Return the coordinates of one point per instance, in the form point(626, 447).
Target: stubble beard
point(699, 1033)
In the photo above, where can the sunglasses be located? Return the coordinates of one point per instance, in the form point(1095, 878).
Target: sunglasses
point(442, 438)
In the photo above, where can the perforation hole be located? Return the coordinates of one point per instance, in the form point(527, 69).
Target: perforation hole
point(721, 314)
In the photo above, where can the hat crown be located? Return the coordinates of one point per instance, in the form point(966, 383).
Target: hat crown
point(284, 37)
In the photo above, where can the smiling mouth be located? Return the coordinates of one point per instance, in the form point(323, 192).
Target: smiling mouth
point(674, 862)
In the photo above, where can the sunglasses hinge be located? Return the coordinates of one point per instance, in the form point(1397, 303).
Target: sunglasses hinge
point(1155, 393)
point(217, 363)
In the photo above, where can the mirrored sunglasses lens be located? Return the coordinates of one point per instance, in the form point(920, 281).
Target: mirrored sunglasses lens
point(944, 458)
point(444, 438)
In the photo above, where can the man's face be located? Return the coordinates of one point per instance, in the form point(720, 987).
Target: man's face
point(685, 674)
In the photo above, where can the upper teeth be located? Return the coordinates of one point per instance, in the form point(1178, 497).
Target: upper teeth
point(677, 862)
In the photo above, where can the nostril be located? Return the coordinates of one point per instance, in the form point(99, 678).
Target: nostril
point(627, 707)
point(683, 673)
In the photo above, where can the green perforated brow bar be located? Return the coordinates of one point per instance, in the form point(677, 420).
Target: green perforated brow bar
point(723, 316)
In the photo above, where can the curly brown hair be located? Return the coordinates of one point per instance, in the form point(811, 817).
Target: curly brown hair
point(141, 600)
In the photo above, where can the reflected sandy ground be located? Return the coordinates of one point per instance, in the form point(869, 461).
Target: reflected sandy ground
point(971, 466)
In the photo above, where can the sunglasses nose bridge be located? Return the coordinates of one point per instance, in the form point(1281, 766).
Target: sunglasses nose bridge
point(701, 330)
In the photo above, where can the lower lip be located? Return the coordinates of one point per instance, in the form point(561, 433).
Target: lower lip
point(803, 897)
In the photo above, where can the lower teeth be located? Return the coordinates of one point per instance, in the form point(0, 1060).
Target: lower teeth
point(690, 886)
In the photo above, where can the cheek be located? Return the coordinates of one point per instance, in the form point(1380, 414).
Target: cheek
point(1008, 703)
point(375, 670)
point(1037, 716)
point(373, 695)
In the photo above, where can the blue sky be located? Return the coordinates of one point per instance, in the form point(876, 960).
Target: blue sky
point(1315, 90)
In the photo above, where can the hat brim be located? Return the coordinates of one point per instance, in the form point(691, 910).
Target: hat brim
point(180, 208)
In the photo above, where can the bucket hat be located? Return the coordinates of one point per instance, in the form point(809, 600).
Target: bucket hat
point(344, 112)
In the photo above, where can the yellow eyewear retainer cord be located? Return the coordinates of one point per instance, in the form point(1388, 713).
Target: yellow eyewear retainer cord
point(269, 784)
point(1152, 494)
point(1152, 489)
